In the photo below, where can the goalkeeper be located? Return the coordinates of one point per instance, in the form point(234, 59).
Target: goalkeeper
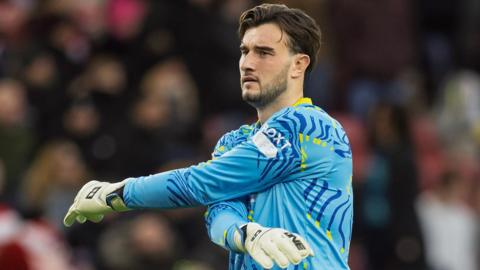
point(279, 191)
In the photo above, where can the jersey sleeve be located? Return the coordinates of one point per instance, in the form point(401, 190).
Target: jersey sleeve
point(223, 219)
point(252, 166)
point(230, 140)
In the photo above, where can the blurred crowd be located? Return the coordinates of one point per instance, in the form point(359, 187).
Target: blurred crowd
point(108, 89)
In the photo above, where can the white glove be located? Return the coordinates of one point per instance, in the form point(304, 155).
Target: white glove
point(269, 245)
point(93, 201)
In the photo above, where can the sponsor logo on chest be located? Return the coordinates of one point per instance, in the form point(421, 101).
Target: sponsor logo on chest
point(268, 140)
point(277, 138)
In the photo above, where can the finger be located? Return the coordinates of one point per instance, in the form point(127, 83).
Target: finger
point(288, 248)
point(273, 252)
point(301, 245)
point(95, 218)
point(70, 218)
point(81, 218)
point(308, 250)
point(261, 258)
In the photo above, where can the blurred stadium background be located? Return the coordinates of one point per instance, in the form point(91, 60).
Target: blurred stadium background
point(105, 89)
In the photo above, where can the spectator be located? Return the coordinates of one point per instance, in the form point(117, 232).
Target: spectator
point(162, 119)
point(450, 227)
point(50, 183)
point(30, 244)
point(387, 220)
point(147, 242)
point(96, 119)
point(16, 138)
point(457, 111)
point(359, 28)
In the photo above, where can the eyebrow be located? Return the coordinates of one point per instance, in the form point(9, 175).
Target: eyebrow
point(261, 48)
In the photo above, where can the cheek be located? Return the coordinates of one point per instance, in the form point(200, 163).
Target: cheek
point(271, 70)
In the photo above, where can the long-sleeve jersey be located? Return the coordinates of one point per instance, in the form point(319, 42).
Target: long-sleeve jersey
point(293, 172)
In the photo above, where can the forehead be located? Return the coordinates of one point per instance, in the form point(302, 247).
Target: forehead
point(268, 34)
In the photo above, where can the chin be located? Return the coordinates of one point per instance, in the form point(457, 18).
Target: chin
point(251, 98)
point(249, 93)
point(250, 89)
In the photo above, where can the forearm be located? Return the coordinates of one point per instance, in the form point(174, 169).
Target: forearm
point(223, 221)
point(229, 177)
point(164, 190)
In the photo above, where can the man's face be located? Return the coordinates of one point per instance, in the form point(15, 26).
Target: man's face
point(264, 65)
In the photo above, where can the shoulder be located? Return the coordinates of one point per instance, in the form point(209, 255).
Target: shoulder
point(232, 139)
point(309, 123)
point(297, 119)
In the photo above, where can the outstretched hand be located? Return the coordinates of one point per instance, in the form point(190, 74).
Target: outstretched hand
point(93, 201)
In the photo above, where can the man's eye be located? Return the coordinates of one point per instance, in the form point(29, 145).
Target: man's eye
point(263, 53)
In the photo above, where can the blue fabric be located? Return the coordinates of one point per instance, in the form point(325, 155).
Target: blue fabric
point(223, 220)
point(293, 172)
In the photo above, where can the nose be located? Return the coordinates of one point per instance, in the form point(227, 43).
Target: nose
point(246, 62)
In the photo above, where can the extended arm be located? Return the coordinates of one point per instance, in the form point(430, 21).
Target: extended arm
point(250, 167)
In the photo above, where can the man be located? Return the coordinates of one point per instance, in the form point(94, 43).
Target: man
point(290, 170)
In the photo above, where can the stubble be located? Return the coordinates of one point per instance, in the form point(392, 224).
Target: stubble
point(269, 92)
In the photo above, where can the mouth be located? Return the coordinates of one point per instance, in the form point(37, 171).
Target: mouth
point(249, 79)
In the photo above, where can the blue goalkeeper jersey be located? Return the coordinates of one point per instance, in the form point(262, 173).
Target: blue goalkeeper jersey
point(293, 172)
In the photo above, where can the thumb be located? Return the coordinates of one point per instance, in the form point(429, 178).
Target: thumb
point(70, 218)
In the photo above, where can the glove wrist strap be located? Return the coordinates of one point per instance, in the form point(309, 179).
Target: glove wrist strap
point(239, 237)
point(115, 200)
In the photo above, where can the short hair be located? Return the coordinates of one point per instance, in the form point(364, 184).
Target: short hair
point(303, 32)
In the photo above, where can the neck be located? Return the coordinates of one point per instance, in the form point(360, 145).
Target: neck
point(288, 98)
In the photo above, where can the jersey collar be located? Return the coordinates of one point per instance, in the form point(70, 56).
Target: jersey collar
point(303, 101)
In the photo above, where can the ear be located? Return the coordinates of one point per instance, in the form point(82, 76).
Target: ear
point(300, 64)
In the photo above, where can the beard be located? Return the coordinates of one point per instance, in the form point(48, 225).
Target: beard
point(268, 93)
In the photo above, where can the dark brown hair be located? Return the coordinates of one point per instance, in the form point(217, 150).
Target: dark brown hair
point(303, 32)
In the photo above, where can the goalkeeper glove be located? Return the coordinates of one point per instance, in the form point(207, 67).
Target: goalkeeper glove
point(94, 200)
point(269, 245)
